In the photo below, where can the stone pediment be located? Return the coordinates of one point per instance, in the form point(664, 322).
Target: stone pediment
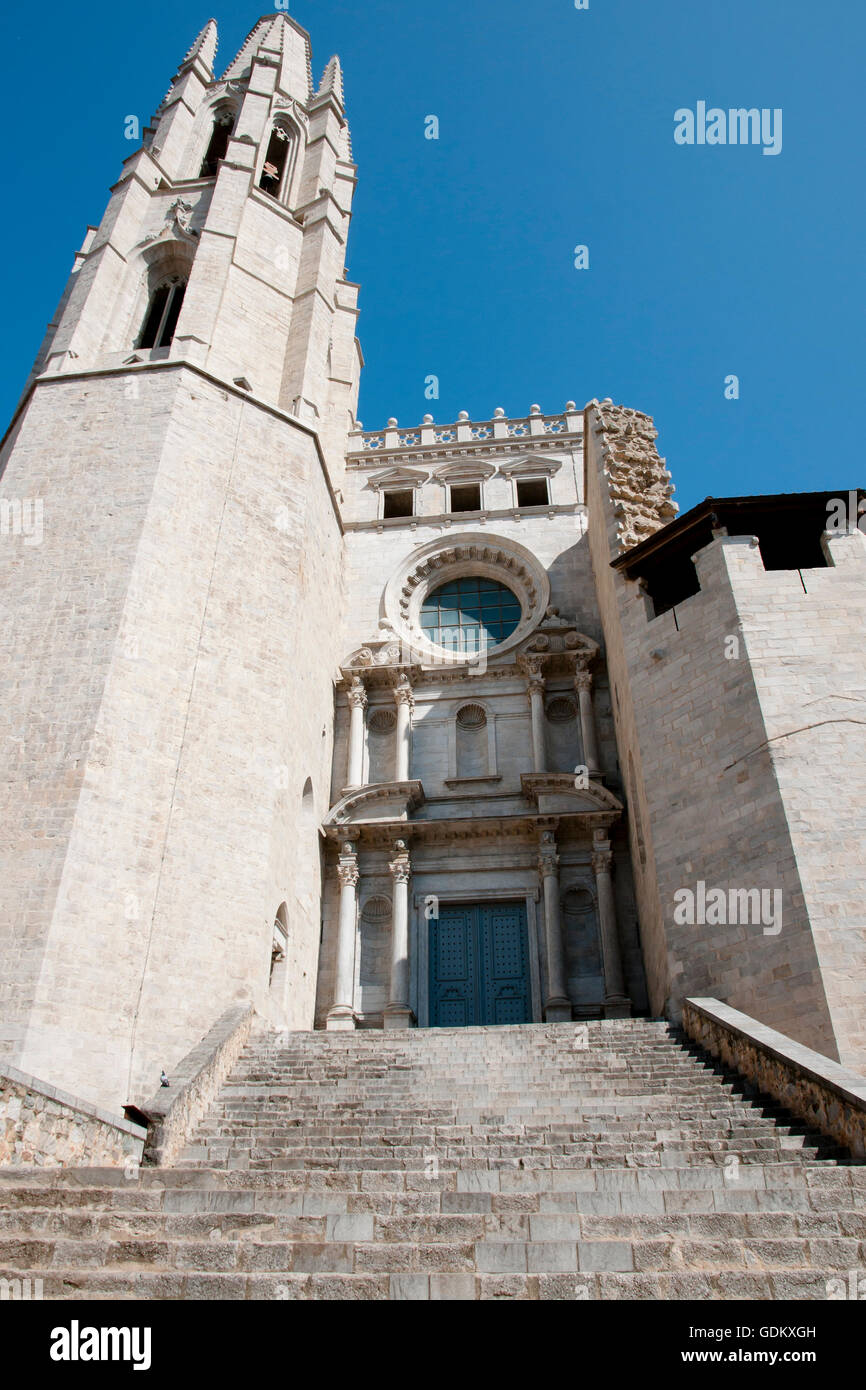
point(398, 477)
point(464, 470)
point(381, 801)
point(531, 465)
point(558, 793)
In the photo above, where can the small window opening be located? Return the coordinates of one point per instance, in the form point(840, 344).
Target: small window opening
point(532, 492)
point(466, 498)
point(399, 503)
point(162, 314)
point(275, 162)
point(279, 950)
point(224, 124)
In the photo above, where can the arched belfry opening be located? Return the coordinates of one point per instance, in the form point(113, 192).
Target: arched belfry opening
point(221, 132)
point(163, 311)
point(276, 171)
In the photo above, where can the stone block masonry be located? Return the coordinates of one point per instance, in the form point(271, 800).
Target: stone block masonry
point(42, 1127)
point(164, 702)
point(740, 728)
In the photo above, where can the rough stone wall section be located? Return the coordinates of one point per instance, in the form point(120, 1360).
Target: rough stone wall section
point(828, 1097)
point(41, 1126)
point(176, 1109)
point(640, 485)
point(605, 533)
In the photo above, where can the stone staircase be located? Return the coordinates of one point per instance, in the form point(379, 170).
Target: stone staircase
point(604, 1160)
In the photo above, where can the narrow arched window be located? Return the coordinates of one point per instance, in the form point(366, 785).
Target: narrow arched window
point(273, 173)
point(162, 314)
point(223, 125)
point(279, 948)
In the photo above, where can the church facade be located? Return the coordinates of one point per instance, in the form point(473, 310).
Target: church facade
point(434, 726)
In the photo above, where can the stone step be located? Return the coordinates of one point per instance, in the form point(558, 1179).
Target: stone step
point(317, 1220)
point(66, 1184)
point(467, 1164)
point(708, 1286)
point(472, 1252)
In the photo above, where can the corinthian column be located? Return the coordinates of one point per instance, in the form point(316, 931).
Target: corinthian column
point(341, 1016)
point(357, 698)
point(404, 699)
point(557, 1008)
point(535, 681)
point(616, 1001)
point(583, 686)
point(398, 1013)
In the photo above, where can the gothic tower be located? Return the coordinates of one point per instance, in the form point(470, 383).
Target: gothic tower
point(168, 694)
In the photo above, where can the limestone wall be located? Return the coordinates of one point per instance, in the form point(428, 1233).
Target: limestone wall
point(744, 772)
point(169, 704)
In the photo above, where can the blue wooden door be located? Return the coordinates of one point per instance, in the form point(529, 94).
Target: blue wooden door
point(479, 965)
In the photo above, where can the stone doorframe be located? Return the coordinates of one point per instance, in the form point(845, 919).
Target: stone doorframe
point(419, 948)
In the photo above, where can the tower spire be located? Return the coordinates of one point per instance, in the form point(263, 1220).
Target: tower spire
point(205, 46)
point(332, 81)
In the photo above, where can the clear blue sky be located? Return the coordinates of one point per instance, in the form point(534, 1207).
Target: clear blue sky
point(556, 129)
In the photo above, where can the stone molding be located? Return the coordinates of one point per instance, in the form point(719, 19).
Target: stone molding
point(360, 803)
point(537, 785)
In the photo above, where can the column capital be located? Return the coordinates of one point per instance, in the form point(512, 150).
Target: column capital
point(582, 679)
point(400, 867)
point(356, 694)
point(548, 859)
point(403, 693)
point(347, 865)
point(602, 855)
point(532, 668)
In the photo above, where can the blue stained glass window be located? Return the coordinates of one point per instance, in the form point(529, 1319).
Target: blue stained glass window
point(470, 614)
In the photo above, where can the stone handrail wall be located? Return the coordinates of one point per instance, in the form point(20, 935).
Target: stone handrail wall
point(41, 1126)
point(818, 1091)
point(173, 1113)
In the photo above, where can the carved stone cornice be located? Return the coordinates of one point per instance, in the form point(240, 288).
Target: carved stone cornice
point(436, 453)
point(575, 827)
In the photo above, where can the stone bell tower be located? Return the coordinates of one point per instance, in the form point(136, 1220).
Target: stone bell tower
point(167, 704)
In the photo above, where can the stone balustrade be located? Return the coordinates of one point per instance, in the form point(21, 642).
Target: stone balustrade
point(464, 430)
